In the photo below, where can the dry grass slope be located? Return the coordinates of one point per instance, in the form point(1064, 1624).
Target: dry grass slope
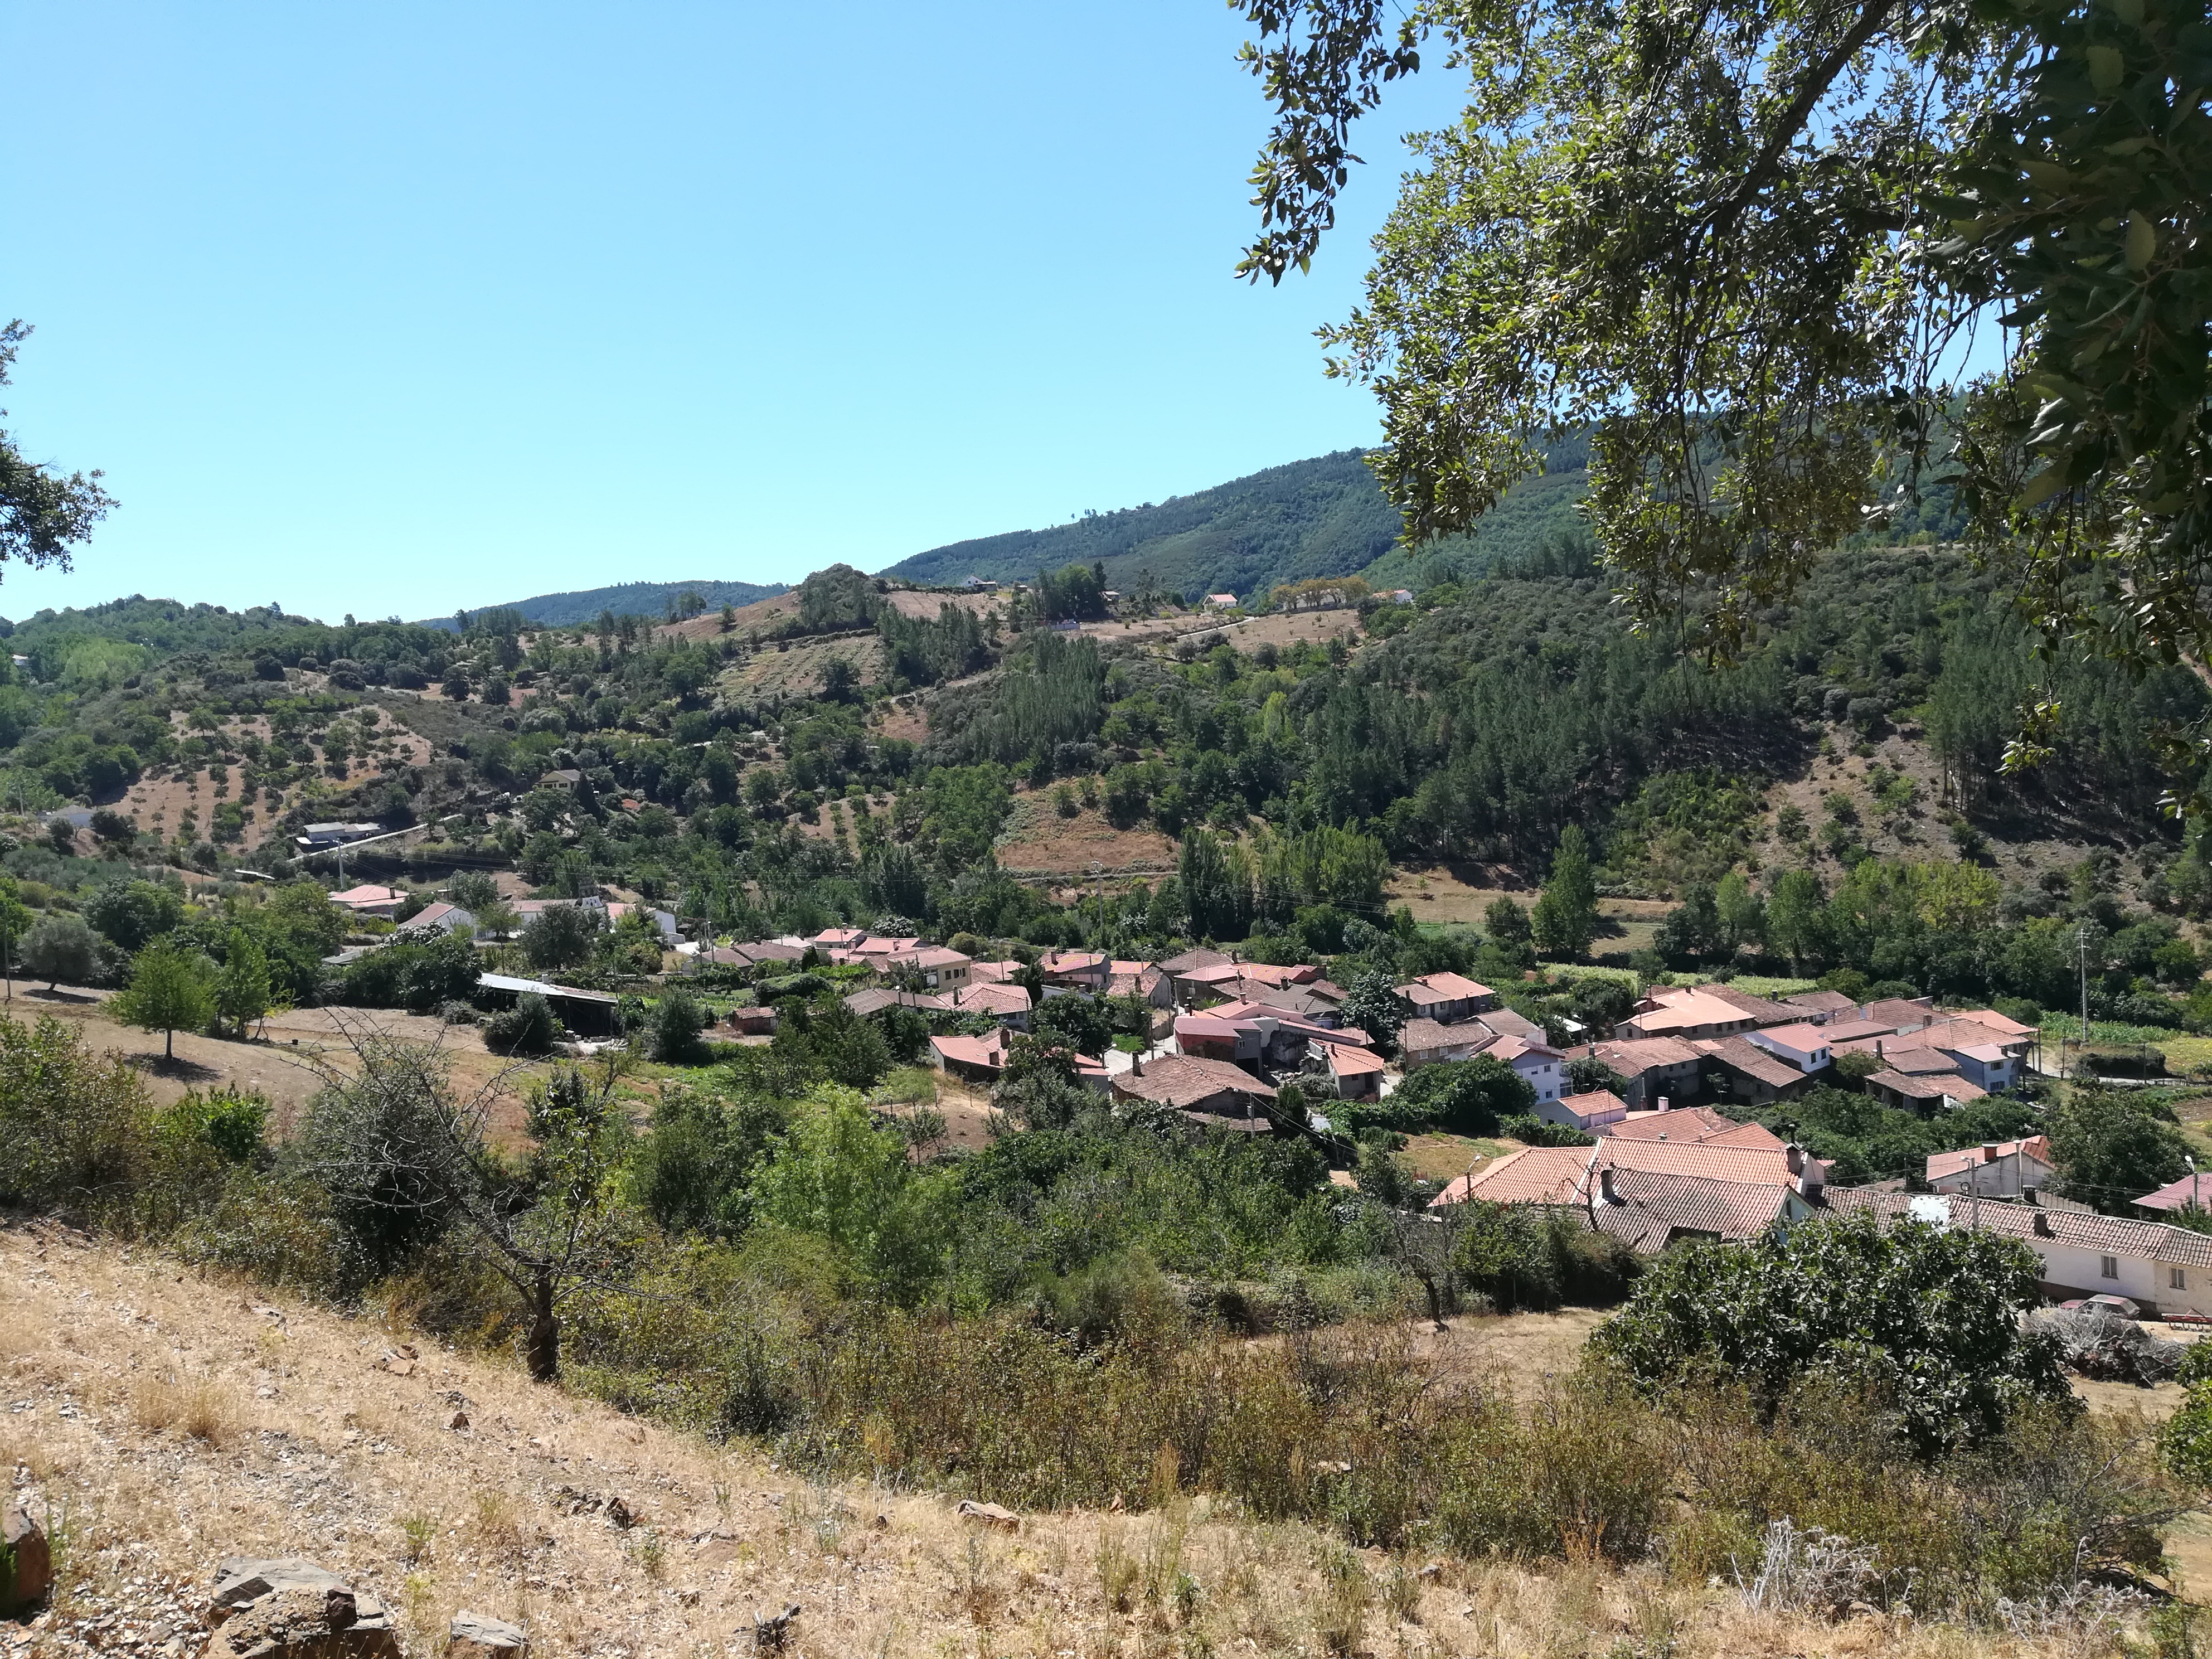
point(174, 1419)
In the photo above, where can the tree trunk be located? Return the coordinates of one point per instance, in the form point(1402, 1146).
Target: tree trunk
point(544, 1343)
point(168, 1045)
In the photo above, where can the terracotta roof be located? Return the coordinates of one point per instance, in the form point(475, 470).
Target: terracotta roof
point(1200, 957)
point(1742, 1055)
point(1633, 1056)
point(1346, 1061)
point(1506, 1023)
point(992, 998)
point(1936, 1086)
point(993, 972)
point(989, 1052)
point(2187, 1193)
point(1965, 1034)
point(1182, 1080)
point(1690, 1124)
point(1820, 1002)
point(1559, 1175)
point(1916, 1062)
point(1444, 987)
point(1595, 1103)
point(1072, 961)
point(1904, 1013)
point(1212, 973)
point(1995, 1021)
point(1535, 1175)
point(932, 956)
point(875, 999)
point(1841, 1031)
point(1687, 1011)
point(1511, 1048)
point(1967, 1158)
point(1423, 1035)
point(1765, 1010)
point(2151, 1241)
point(1652, 1209)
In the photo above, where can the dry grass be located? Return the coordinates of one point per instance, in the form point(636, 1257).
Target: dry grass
point(195, 1407)
point(325, 1456)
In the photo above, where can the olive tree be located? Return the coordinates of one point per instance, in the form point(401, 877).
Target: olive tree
point(404, 1152)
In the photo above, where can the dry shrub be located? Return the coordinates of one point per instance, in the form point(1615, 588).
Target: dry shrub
point(196, 1408)
point(497, 1528)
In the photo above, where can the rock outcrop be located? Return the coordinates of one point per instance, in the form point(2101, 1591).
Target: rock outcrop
point(291, 1608)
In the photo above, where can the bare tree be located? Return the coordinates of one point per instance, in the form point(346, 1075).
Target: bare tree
point(403, 1151)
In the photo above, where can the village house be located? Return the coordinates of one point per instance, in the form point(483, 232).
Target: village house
point(2187, 1193)
point(1355, 1073)
point(440, 918)
point(661, 921)
point(1753, 1074)
point(1447, 999)
point(1576, 1176)
point(1693, 1126)
point(1211, 1092)
point(1074, 970)
point(752, 1022)
point(587, 1013)
point(1995, 1169)
point(1593, 1112)
point(1653, 1067)
point(370, 900)
point(1670, 1011)
point(1425, 1042)
point(2168, 1270)
point(1007, 1003)
point(941, 969)
point(972, 1060)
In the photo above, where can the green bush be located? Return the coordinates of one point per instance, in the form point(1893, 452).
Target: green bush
point(529, 1028)
point(672, 1029)
point(76, 1125)
point(1521, 1256)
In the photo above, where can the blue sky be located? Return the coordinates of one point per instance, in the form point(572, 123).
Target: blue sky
point(391, 309)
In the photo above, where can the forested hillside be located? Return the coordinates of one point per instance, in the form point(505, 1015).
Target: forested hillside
point(632, 599)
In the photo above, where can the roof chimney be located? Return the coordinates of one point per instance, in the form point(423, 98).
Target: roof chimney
point(1606, 1195)
point(2040, 1225)
point(1988, 1152)
point(1794, 1155)
point(1662, 1102)
point(1877, 1049)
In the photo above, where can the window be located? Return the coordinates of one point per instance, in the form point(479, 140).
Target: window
point(2109, 1265)
point(2176, 1280)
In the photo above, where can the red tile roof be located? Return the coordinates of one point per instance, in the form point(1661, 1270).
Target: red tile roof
point(2151, 1241)
point(1652, 1210)
point(1956, 1163)
point(1185, 1079)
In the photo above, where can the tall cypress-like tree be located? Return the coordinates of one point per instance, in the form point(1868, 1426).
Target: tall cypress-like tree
point(1566, 917)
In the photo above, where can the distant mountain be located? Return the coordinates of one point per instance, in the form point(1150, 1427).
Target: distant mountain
point(633, 598)
point(1324, 517)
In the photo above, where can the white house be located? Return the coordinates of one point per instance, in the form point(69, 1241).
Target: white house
point(1995, 1169)
point(1805, 1046)
point(2169, 1270)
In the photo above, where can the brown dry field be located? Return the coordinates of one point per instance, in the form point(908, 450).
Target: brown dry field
point(1460, 893)
point(175, 1418)
point(1037, 839)
point(924, 606)
point(797, 671)
point(280, 1065)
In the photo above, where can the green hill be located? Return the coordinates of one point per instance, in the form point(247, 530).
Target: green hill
point(627, 599)
point(1322, 517)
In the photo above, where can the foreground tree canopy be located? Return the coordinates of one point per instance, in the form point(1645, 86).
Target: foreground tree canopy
point(1747, 243)
point(42, 512)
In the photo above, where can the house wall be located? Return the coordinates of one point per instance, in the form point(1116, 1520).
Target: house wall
point(2078, 1272)
point(1999, 1178)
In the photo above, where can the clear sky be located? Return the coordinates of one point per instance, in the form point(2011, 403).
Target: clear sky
point(392, 308)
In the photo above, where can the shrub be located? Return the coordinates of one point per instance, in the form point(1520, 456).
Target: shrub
point(1522, 1257)
point(672, 1029)
point(75, 1124)
point(528, 1028)
point(1927, 1322)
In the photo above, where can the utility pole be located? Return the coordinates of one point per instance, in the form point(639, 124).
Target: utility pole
point(2082, 943)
